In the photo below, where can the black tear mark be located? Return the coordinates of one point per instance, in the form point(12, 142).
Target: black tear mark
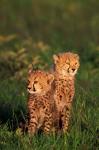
point(43, 107)
point(61, 97)
point(70, 96)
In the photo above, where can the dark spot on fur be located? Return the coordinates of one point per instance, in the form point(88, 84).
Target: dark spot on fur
point(70, 96)
point(60, 96)
point(43, 107)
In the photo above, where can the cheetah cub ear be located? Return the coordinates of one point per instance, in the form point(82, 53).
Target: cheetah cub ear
point(30, 70)
point(77, 56)
point(50, 78)
point(55, 58)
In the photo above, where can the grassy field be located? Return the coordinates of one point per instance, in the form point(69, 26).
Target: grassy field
point(31, 32)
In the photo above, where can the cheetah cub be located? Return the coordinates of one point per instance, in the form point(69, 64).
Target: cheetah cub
point(40, 101)
point(65, 69)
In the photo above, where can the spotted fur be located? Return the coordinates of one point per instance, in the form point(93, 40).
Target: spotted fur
point(40, 101)
point(66, 66)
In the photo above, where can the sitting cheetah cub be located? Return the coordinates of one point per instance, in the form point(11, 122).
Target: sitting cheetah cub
point(66, 66)
point(40, 101)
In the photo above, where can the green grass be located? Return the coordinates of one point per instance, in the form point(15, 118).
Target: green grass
point(31, 32)
point(83, 132)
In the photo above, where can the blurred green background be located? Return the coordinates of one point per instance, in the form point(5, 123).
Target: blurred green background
point(32, 27)
point(31, 31)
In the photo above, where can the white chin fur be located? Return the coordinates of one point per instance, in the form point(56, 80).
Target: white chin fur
point(31, 92)
point(73, 74)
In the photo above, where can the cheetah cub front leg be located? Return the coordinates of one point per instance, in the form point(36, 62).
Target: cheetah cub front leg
point(65, 116)
point(48, 123)
point(33, 122)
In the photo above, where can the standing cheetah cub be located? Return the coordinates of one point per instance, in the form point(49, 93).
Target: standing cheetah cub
point(66, 66)
point(40, 101)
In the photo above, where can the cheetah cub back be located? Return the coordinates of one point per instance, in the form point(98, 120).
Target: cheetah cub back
point(65, 69)
point(40, 101)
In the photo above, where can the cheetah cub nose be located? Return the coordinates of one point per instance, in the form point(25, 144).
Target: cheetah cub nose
point(29, 88)
point(73, 69)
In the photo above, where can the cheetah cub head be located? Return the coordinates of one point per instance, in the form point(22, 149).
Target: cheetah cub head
point(66, 64)
point(39, 82)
